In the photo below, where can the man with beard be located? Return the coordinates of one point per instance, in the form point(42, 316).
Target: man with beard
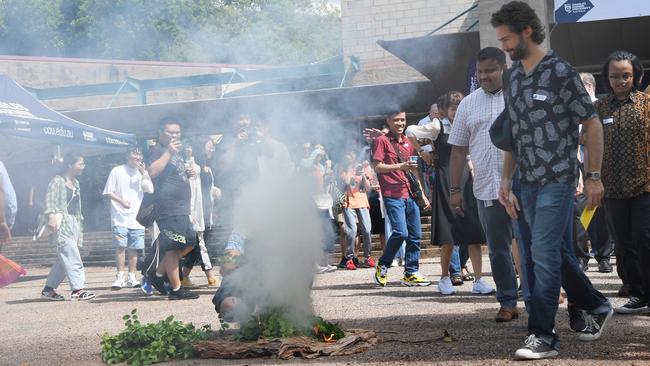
point(545, 101)
point(470, 133)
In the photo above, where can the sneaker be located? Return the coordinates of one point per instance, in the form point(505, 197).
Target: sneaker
point(604, 266)
point(596, 324)
point(51, 295)
point(119, 281)
point(342, 263)
point(349, 265)
point(370, 262)
point(146, 287)
point(131, 281)
point(481, 287)
point(445, 287)
point(634, 305)
point(213, 281)
point(159, 284)
point(577, 317)
point(81, 295)
point(534, 349)
point(187, 283)
point(395, 263)
point(182, 294)
point(381, 272)
point(414, 279)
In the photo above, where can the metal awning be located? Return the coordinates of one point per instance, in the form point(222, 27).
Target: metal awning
point(295, 109)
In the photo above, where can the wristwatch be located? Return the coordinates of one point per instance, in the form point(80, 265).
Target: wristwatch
point(593, 175)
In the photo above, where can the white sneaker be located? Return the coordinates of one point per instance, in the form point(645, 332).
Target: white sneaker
point(132, 281)
point(395, 264)
point(481, 287)
point(445, 287)
point(119, 281)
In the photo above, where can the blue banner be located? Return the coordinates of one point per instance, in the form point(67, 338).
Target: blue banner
point(23, 115)
point(573, 11)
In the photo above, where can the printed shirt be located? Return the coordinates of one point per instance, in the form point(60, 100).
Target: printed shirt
point(393, 184)
point(626, 128)
point(172, 187)
point(546, 107)
point(56, 201)
point(471, 127)
point(355, 196)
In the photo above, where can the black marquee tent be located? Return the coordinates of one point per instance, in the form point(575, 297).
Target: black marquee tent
point(30, 131)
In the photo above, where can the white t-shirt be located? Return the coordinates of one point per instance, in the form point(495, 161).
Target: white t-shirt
point(126, 183)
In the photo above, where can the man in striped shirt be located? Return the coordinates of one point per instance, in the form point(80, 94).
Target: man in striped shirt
point(470, 133)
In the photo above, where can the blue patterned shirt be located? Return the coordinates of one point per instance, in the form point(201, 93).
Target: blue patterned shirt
point(546, 106)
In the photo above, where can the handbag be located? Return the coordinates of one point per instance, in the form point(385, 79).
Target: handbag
point(501, 129)
point(414, 188)
point(147, 212)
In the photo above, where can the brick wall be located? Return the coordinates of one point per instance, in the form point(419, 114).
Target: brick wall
point(367, 21)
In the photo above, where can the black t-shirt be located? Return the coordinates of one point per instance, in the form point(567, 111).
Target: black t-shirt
point(171, 187)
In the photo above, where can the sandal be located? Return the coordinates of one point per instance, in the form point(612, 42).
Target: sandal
point(51, 295)
point(81, 295)
point(468, 276)
point(456, 280)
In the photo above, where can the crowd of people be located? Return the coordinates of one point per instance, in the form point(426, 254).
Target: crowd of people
point(513, 165)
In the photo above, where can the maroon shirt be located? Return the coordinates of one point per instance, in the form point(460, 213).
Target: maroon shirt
point(393, 184)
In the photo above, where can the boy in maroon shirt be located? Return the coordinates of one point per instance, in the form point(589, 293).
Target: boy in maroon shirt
point(391, 159)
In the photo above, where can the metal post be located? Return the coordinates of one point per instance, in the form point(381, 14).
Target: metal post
point(452, 19)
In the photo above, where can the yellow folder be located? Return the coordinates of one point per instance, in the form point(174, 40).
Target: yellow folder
point(586, 217)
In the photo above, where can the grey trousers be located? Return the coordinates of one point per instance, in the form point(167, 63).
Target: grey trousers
point(68, 260)
point(350, 216)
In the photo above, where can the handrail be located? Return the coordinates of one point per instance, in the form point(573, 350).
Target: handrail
point(454, 18)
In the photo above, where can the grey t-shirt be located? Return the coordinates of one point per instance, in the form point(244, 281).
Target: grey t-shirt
point(546, 107)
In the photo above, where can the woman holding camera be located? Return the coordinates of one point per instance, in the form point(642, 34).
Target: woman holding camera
point(64, 219)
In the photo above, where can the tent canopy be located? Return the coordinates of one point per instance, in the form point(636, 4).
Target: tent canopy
point(24, 118)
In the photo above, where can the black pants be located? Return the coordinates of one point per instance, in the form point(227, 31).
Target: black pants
point(630, 219)
point(602, 243)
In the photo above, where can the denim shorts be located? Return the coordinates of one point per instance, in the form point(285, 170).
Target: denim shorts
point(128, 238)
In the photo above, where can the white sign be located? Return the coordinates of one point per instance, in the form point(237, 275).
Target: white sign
point(572, 11)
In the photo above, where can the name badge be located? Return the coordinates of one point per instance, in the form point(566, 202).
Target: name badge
point(540, 97)
point(608, 121)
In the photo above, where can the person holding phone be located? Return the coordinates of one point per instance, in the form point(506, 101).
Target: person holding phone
point(125, 187)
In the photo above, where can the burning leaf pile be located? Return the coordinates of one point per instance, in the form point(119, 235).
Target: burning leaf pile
point(272, 333)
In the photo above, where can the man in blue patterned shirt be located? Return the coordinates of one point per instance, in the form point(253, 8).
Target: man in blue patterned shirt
point(546, 101)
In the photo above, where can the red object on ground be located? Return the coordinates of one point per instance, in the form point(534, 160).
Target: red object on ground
point(9, 271)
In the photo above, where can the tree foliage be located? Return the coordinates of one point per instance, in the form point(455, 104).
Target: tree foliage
point(230, 31)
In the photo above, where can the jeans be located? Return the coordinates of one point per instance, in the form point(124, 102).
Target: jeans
point(548, 211)
point(350, 216)
point(497, 226)
point(404, 216)
point(630, 218)
point(389, 229)
point(454, 263)
point(68, 260)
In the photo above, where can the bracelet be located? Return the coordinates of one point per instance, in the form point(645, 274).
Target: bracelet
point(453, 190)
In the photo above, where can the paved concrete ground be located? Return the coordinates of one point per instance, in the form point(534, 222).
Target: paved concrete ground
point(39, 332)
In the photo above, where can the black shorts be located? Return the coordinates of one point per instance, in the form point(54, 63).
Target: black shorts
point(176, 233)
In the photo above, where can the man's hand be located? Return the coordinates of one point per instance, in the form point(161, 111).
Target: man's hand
point(141, 168)
point(594, 192)
point(5, 234)
point(126, 204)
point(216, 193)
point(371, 133)
point(190, 172)
point(457, 204)
point(508, 199)
point(174, 146)
point(408, 165)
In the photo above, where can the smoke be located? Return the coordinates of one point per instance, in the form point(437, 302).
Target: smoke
point(284, 235)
